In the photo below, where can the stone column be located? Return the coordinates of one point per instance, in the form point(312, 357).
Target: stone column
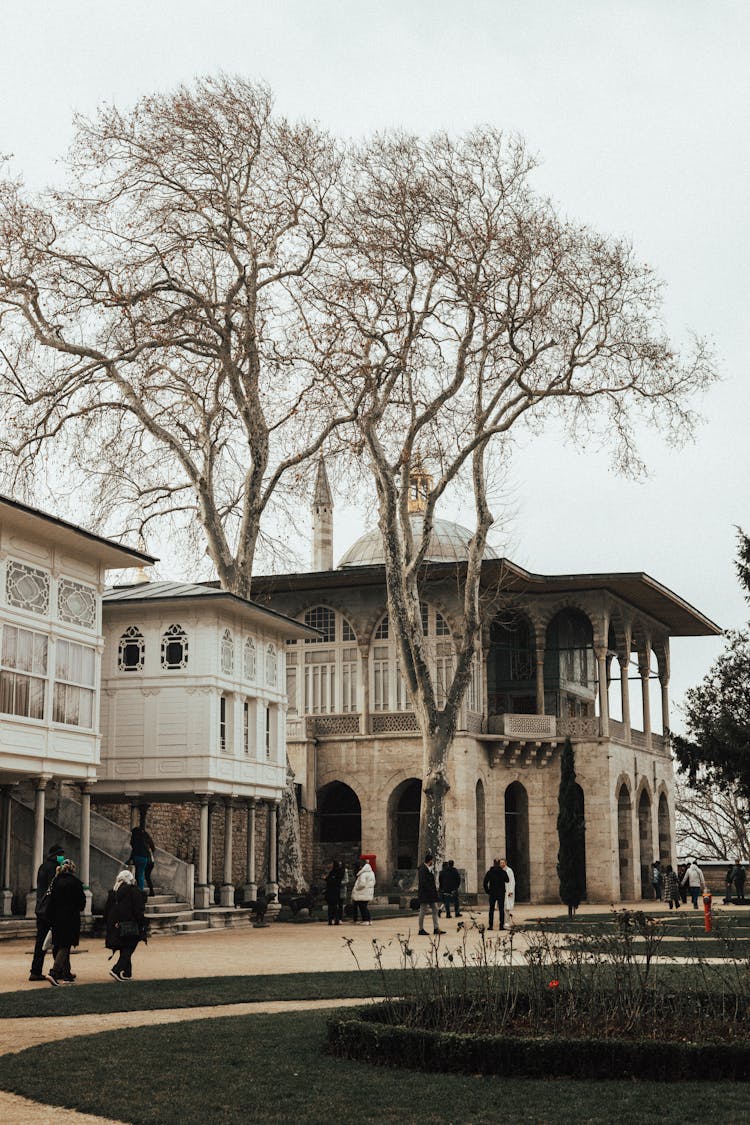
point(539, 644)
point(644, 668)
point(272, 886)
point(226, 894)
point(6, 824)
point(664, 680)
point(85, 871)
point(364, 663)
point(37, 854)
point(203, 890)
point(250, 890)
point(601, 659)
point(624, 658)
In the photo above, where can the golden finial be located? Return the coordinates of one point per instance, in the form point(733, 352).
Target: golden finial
point(420, 485)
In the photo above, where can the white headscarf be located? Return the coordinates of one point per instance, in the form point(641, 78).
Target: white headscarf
point(124, 877)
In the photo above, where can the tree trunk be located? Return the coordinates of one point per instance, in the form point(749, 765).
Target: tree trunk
point(435, 785)
point(290, 849)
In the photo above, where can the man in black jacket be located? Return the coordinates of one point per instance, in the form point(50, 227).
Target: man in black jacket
point(494, 885)
point(44, 877)
point(427, 893)
point(449, 881)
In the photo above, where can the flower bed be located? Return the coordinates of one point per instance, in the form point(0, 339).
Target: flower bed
point(387, 1035)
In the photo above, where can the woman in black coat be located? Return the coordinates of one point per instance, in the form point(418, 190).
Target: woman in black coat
point(66, 901)
point(333, 893)
point(124, 918)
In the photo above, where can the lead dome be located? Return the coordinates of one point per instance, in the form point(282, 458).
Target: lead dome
point(449, 542)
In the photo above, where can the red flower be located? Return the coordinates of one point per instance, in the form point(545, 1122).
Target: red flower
point(554, 984)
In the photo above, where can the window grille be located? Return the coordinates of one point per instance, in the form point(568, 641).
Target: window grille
point(27, 587)
point(347, 633)
point(227, 653)
point(76, 603)
point(131, 650)
point(174, 648)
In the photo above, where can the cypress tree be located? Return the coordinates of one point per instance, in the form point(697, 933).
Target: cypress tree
point(571, 857)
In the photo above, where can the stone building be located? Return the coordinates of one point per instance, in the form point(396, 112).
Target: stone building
point(578, 656)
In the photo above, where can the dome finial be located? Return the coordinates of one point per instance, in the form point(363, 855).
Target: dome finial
point(420, 486)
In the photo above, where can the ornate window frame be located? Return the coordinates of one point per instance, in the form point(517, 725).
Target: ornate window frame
point(132, 637)
point(227, 652)
point(27, 587)
point(250, 660)
point(172, 636)
point(76, 603)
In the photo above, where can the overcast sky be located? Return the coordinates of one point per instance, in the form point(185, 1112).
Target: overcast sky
point(639, 113)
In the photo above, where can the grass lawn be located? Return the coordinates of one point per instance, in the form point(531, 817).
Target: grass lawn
point(192, 992)
point(275, 1069)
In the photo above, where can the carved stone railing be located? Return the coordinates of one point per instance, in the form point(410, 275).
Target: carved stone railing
point(296, 730)
point(578, 726)
point(391, 722)
point(322, 725)
point(523, 726)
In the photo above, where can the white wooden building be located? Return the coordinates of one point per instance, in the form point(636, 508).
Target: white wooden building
point(52, 577)
point(194, 709)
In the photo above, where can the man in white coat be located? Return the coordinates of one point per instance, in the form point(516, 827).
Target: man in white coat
point(363, 893)
point(510, 892)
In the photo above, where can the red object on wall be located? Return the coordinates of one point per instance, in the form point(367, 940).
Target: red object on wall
point(372, 860)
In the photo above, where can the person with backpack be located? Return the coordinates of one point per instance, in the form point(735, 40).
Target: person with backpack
point(124, 917)
point(44, 877)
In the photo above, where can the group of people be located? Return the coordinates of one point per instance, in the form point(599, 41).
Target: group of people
point(673, 887)
point(61, 897)
point(363, 891)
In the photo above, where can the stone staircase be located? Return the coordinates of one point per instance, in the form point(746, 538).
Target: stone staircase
point(166, 914)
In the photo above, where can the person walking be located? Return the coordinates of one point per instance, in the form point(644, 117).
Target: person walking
point(449, 881)
point(141, 852)
point(681, 869)
point(694, 881)
point(44, 877)
point(428, 896)
point(363, 893)
point(510, 892)
point(656, 879)
point(494, 885)
point(66, 901)
point(738, 878)
point(343, 891)
point(333, 879)
point(124, 917)
point(672, 888)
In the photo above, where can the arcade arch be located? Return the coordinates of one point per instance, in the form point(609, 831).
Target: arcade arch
point(625, 842)
point(517, 838)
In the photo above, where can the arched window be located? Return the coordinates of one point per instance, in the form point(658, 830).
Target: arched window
point(250, 661)
point(227, 653)
point(339, 815)
point(389, 691)
point(174, 648)
point(325, 671)
point(131, 650)
point(271, 664)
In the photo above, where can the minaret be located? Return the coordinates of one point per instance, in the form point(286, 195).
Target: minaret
point(322, 522)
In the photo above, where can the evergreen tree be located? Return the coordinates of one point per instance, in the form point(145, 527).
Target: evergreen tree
point(716, 748)
point(571, 832)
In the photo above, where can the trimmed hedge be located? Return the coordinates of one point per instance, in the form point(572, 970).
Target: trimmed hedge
point(358, 1034)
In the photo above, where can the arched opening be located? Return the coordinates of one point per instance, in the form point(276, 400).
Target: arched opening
point(581, 802)
point(511, 672)
point(665, 836)
point(625, 843)
point(339, 825)
point(481, 834)
point(569, 667)
point(405, 806)
point(517, 838)
point(646, 843)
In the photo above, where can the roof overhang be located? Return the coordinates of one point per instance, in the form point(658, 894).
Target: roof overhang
point(636, 588)
point(33, 521)
point(122, 598)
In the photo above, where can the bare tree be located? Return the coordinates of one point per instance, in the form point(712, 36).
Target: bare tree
point(148, 315)
point(712, 822)
point(150, 321)
point(460, 307)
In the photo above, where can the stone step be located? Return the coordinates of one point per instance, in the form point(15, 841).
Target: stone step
point(192, 927)
point(156, 900)
point(154, 908)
